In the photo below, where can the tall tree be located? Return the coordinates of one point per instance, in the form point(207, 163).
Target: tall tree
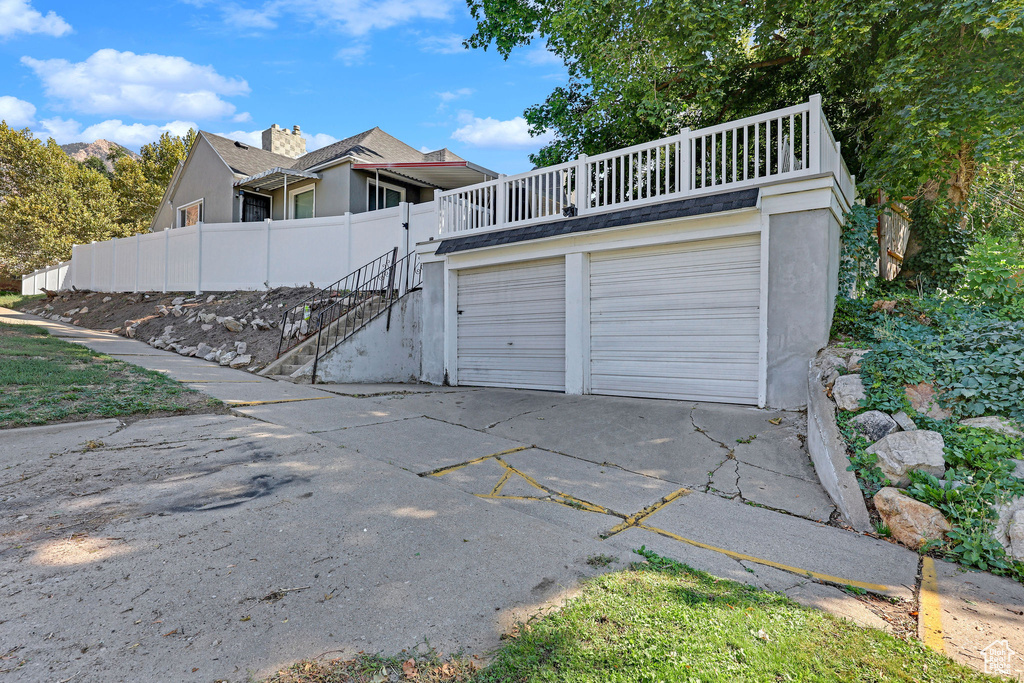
point(139, 184)
point(923, 92)
point(48, 203)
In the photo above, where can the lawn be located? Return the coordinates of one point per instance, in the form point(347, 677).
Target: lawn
point(15, 300)
point(45, 380)
point(663, 621)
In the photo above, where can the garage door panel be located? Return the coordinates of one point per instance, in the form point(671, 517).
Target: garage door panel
point(677, 322)
point(511, 326)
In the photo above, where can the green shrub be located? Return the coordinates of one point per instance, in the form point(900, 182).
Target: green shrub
point(858, 265)
point(992, 274)
point(981, 367)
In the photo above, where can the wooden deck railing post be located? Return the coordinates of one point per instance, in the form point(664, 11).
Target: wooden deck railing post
point(814, 123)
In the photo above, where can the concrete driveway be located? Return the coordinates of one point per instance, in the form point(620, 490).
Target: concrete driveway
point(335, 519)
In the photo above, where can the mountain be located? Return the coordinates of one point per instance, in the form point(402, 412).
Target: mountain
point(80, 151)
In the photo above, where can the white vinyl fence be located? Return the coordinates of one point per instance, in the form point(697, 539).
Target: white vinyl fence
point(240, 256)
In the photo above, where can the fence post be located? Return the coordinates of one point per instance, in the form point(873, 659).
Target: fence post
point(113, 265)
point(582, 185)
point(167, 256)
point(138, 260)
point(71, 268)
point(266, 250)
point(684, 180)
point(501, 202)
point(92, 270)
point(814, 123)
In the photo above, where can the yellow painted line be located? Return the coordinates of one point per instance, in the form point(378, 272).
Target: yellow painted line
point(279, 400)
point(445, 470)
point(529, 480)
point(878, 588)
point(501, 483)
point(929, 609)
point(635, 519)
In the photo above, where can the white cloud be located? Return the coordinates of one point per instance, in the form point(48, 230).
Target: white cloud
point(540, 55)
point(254, 138)
point(242, 117)
point(18, 16)
point(17, 113)
point(450, 44)
point(353, 54)
point(359, 17)
point(246, 17)
point(450, 95)
point(115, 130)
point(490, 132)
point(145, 86)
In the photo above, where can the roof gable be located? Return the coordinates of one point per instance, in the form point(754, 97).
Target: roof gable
point(373, 146)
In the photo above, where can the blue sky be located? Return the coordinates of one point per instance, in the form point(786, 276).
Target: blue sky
point(125, 71)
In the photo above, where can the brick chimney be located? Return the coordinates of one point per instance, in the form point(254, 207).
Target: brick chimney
point(279, 140)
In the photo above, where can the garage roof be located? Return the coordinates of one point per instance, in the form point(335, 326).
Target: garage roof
point(695, 206)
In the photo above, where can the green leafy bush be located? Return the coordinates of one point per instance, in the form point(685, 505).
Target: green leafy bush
point(992, 275)
point(859, 261)
point(981, 367)
point(941, 237)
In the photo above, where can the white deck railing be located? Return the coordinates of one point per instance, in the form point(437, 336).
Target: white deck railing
point(782, 144)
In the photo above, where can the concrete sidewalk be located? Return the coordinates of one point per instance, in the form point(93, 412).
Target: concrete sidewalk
point(563, 477)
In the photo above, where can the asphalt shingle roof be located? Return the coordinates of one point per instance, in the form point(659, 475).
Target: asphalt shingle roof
point(696, 206)
point(246, 159)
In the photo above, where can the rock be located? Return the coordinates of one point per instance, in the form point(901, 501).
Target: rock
point(207, 317)
point(107, 299)
point(177, 301)
point(853, 364)
point(187, 350)
point(1018, 468)
point(71, 312)
point(912, 522)
point(260, 324)
point(168, 329)
point(47, 307)
point(83, 310)
point(129, 331)
point(996, 424)
point(904, 421)
point(65, 319)
point(211, 356)
point(226, 358)
point(158, 343)
point(1009, 529)
point(848, 392)
point(901, 452)
point(240, 347)
point(240, 360)
point(874, 425)
point(206, 328)
point(203, 349)
point(924, 400)
point(232, 325)
point(210, 298)
point(221, 319)
point(191, 319)
point(177, 312)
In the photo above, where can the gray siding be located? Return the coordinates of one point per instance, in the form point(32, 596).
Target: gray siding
point(204, 177)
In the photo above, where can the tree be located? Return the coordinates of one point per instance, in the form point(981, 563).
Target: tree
point(48, 203)
point(139, 184)
point(922, 93)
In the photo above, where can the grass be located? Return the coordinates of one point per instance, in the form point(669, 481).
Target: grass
point(45, 380)
point(664, 621)
point(15, 300)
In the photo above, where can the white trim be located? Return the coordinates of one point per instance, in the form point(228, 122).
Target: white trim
point(762, 326)
point(302, 189)
point(202, 212)
point(387, 186)
point(451, 324)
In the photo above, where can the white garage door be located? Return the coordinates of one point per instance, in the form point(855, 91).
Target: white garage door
point(679, 322)
point(511, 326)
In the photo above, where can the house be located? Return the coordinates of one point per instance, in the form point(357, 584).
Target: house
point(227, 181)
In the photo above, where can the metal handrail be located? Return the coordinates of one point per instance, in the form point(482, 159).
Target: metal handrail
point(379, 294)
point(302, 321)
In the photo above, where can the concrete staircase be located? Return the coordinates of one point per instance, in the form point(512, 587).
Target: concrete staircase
point(296, 364)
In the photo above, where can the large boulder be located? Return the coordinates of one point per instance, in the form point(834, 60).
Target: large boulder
point(848, 392)
point(996, 424)
point(874, 425)
point(901, 452)
point(1009, 529)
point(911, 522)
point(924, 400)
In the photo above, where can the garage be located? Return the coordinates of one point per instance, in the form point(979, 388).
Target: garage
point(511, 326)
point(678, 322)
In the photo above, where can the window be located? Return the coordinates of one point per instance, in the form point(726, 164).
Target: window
point(190, 214)
point(386, 195)
point(303, 203)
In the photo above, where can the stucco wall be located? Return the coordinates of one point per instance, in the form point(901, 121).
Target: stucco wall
point(208, 178)
point(803, 267)
point(376, 354)
point(432, 325)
